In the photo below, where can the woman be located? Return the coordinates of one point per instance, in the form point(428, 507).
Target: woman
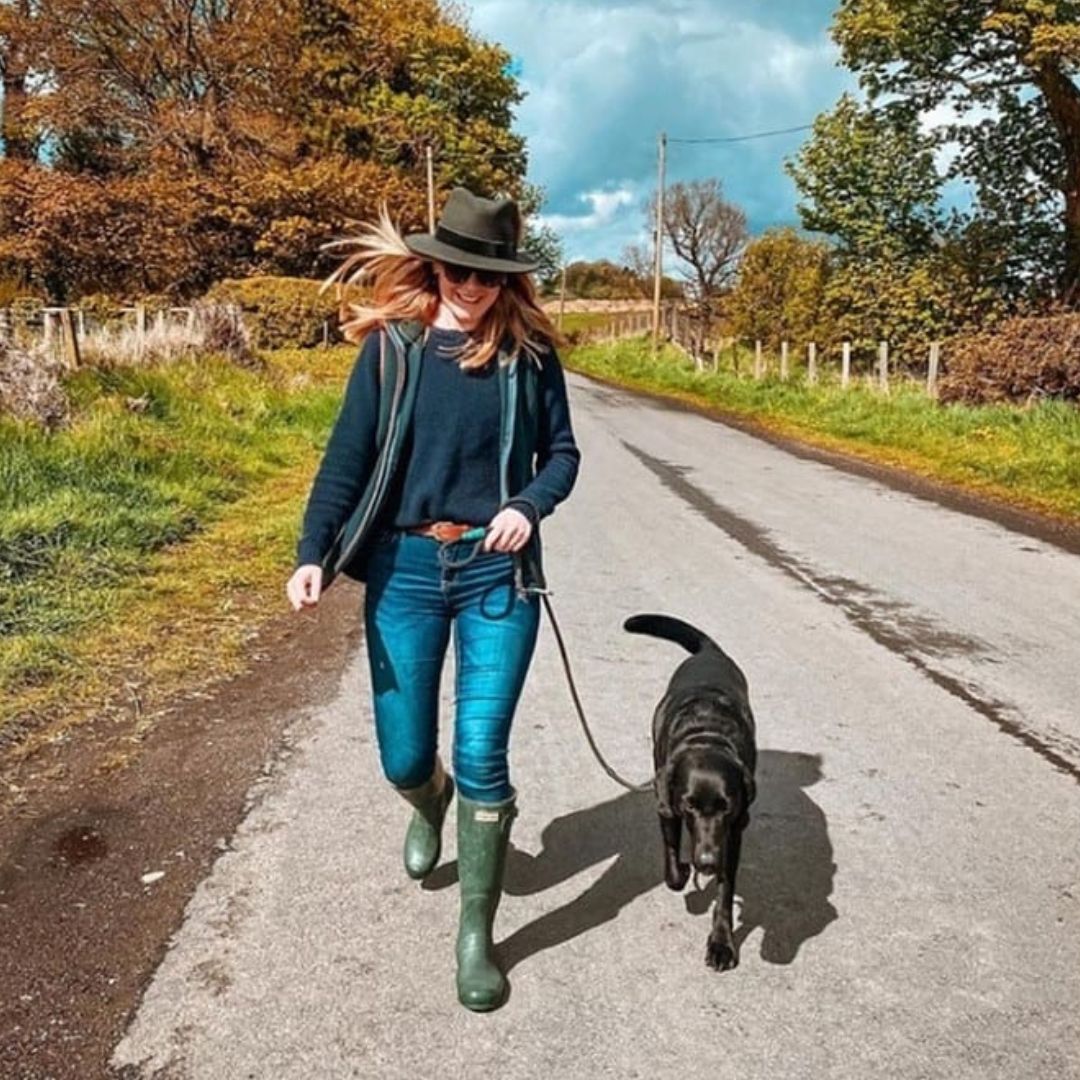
point(453, 442)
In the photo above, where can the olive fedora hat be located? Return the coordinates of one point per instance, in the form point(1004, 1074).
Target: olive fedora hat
point(476, 232)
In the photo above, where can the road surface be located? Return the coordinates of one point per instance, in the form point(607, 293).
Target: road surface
point(909, 897)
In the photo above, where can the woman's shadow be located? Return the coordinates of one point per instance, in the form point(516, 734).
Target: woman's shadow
point(784, 882)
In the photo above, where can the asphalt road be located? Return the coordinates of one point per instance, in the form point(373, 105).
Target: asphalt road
point(909, 898)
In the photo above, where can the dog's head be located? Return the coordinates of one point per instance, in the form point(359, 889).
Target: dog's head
point(712, 793)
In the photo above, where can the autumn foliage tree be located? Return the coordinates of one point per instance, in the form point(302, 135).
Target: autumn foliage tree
point(780, 291)
point(187, 141)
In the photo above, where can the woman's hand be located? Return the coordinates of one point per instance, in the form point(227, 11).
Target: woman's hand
point(305, 586)
point(509, 530)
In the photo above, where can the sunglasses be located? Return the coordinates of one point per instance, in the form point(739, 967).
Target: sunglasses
point(460, 274)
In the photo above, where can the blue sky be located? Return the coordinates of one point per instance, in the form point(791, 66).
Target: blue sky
point(603, 79)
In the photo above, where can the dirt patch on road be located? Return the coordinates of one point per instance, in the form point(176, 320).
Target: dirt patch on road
point(98, 863)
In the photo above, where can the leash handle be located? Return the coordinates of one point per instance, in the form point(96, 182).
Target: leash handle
point(578, 707)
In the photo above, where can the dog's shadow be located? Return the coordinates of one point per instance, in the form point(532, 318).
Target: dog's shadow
point(784, 881)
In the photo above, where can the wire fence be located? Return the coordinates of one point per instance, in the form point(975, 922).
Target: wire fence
point(711, 349)
point(64, 333)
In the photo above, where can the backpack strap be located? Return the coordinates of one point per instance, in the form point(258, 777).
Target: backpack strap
point(387, 369)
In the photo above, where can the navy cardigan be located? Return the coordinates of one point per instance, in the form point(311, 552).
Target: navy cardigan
point(538, 463)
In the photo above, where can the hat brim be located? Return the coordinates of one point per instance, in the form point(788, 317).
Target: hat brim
point(425, 245)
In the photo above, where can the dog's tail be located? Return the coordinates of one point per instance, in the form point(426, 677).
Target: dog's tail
point(664, 626)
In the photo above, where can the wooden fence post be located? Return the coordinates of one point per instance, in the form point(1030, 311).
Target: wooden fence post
point(716, 353)
point(845, 365)
point(932, 371)
point(783, 360)
point(759, 363)
point(140, 329)
point(811, 362)
point(883, 366)
point(69, 340)
point(47, 326)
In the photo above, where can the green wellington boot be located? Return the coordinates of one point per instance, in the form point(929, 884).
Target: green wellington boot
point(423, 838)
point(483, 836)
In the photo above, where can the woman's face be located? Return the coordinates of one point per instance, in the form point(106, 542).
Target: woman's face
point(467, 299)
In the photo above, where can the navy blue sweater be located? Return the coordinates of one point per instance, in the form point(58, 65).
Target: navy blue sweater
point(449, 470)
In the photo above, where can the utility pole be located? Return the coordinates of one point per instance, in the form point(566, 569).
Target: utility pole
point(430, 187)
point(658, 263)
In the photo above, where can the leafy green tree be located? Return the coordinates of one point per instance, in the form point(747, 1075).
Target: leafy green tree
point(903, 268)
point(867, 178)
point(780, 291)
point(600, 279)
point(385, 79)
point(545, 245)
point(1011, 65)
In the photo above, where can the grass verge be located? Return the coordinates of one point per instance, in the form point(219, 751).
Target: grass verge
point(1027, 457)
point(141, 548)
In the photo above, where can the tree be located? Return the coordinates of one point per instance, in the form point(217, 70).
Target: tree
point(1015, 62)
point(903, 268)
point(384, 79)
point(706, 233)
point(600, 279)
point(544, 244)
point(867, 178)
point(16, 45)
point(780, 291)
point(184, 82)
point(191, 140)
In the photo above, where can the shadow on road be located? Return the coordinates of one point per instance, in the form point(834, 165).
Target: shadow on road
point(784, 883)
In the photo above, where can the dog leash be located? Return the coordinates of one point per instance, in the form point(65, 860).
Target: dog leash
point(577, 705)
point(476, 538)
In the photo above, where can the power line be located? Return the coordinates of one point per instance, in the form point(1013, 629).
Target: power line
point(746, 138)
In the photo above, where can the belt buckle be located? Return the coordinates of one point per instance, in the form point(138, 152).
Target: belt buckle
point(447, 531)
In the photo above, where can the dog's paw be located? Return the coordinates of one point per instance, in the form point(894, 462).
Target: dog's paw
point(676, 875)
point(721, 955)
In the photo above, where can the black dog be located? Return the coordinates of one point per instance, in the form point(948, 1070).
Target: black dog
point(704, 754)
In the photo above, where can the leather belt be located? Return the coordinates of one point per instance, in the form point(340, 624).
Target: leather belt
point(445, 532)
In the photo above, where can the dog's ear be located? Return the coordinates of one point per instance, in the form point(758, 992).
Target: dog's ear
point(662, 785)
point(749, 787)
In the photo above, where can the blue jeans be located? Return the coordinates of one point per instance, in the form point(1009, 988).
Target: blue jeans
point(411, 603)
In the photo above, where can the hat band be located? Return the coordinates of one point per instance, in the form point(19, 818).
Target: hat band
point(494, 249)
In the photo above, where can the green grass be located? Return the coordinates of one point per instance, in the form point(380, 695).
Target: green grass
point(1027, 456)
point(578, 321)
point(153, 458)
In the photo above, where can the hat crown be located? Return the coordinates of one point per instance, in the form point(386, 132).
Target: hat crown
point(494, 221)
point(477, 232)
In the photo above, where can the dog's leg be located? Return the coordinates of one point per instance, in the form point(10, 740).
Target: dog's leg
point(676, 873)
point(721, 952)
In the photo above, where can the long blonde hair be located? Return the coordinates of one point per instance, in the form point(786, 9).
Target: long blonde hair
point(403, 286)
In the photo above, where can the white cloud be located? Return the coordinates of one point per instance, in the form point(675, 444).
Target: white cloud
point(605, 206)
